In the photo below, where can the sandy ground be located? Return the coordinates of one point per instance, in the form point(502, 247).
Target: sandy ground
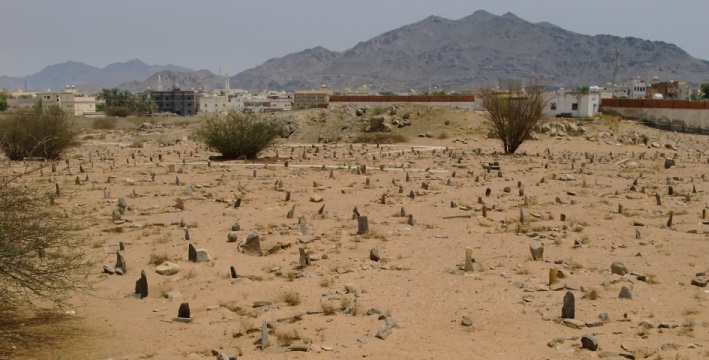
point(418, 282)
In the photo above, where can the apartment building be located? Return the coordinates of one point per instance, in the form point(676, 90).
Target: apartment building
point(180, 102)
point(303, 99)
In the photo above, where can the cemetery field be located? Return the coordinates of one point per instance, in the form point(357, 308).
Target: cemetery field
point(342, 250)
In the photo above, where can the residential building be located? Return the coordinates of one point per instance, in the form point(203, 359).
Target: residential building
point(69, 100)
point(670, 89)
point(251, 102)
point(23, 103)
point(180, 102)
point(574, 104)
point(303, 99)
point(212, 104)
point(281, 102)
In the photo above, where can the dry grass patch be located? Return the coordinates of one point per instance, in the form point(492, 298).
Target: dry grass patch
point(287, 338)
point(291, 298)
point(380, 138)
point(327, 308)
point(157, 259)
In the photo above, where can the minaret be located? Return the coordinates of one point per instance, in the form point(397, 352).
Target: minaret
point(226, 83)
point(159, 83)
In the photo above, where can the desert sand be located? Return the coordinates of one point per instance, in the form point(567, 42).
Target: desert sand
point(588, 198)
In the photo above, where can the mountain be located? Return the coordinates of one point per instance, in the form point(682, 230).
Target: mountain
point(201, 79)
point(477, 50)
point(86, 77)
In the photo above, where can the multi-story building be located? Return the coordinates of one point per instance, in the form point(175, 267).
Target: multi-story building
point(69, 101)
point(303, 99)
point(281, 102)
point(212, 104)
point(180, 102)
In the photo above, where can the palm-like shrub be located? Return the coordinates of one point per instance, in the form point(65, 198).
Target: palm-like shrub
point(236, 135)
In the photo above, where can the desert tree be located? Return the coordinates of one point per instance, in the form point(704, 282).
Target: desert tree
point(237, 134)
point(511, 116)
point(43, 259)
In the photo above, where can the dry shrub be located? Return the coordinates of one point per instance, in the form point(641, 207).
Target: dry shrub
point(104, 124)
point(38, 133)
point(380, 138)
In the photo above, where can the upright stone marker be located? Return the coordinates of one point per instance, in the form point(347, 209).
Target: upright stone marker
point(362, 225)
point(184, 311)
point(468, 267)
point(191, 253)
point(141, 286)
point(568, 310)
point(537, 251)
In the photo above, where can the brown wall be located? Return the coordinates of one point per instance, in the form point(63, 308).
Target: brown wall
point(655, 104)
point(419, 98)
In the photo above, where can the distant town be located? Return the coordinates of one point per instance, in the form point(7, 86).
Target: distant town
point(583, 101)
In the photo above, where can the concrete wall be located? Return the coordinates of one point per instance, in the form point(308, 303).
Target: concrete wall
point(689, 120)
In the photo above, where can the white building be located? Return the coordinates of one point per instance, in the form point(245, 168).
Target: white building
point(633, 89)
point(69, 101)
point(269, 102)
point(213, 104)
point(573, 104)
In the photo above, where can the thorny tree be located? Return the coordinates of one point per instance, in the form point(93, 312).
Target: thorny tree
point(512, 116)
point(42, 257)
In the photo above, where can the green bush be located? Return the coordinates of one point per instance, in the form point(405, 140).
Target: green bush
point(118, 111)
point(236, 135)
point(36, 134)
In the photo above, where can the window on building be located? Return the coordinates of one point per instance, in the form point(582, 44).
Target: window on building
point(553, 106)
point(574, 106)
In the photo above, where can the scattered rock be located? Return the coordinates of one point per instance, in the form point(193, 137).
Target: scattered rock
point(252, 245)
point(167, 268)
point(625, 293)
point(619, 268)
point(589, 342)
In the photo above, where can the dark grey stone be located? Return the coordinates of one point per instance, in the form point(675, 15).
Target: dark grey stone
point(374, 254)
point(191, 253)
point(362, 225)
point(589, 342)
point(184, 311)
point(568, 310)
point(619, 268)
point(141, 286)
point(625, 293)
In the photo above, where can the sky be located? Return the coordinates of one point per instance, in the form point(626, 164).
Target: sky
point(236, 35)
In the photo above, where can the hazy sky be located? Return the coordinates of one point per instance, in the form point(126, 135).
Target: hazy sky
point(216, 34)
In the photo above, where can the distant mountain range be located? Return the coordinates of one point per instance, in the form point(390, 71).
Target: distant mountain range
point(87, 77)
point(475, 51)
